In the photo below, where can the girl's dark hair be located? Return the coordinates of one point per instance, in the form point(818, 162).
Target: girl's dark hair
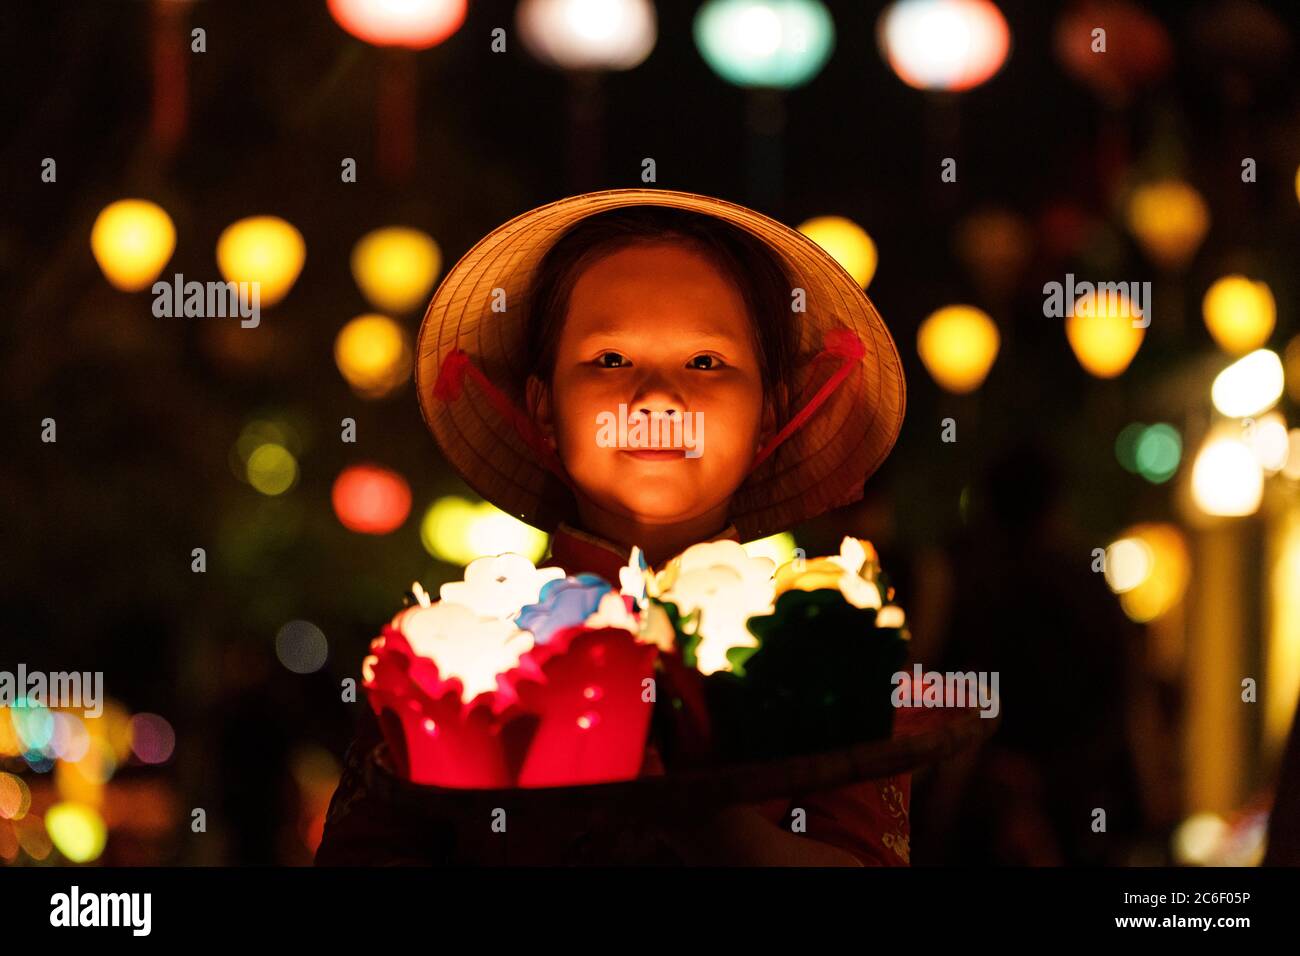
point(750, 264)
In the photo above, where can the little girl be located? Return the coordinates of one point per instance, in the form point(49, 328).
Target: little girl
point(656, 304)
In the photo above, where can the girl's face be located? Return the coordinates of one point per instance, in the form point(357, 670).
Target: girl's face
point(655, 328)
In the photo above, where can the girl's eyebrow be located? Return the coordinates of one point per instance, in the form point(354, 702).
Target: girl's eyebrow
point(697, 335)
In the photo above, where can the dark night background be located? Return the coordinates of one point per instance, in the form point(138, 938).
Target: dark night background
point(96, 531)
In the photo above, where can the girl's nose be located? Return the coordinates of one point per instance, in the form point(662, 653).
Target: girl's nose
point(655, 393)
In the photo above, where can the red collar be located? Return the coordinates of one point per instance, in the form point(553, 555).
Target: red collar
point(580, 552)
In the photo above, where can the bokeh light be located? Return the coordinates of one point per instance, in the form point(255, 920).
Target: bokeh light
point(373, 355)
point(1105, 341)
point(1149, 567)
point(301, 647)
point(588, 34)
point(1270, 441)
point(1169, 219)
point(1158, 453)
point(1248, 386)
point(847, 242)
point(1226, 478)
point(458, 531)
point(369, 499)
point(765, 43)
point(1240, 313)
point(415, 24)
point(132, 239)
point(1126, 443)
point(262, 249)
point(272, 469)
point(395, 267)
point(152, 738)
point(958, 344)
point(944, 44)
point(77, 831)
point(1128, 562)
point(15, 797)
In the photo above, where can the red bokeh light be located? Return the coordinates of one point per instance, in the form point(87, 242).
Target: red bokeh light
point(371, 500)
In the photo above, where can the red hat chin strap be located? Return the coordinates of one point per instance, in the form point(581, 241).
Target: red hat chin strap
point(840, 344)
point(450, 383)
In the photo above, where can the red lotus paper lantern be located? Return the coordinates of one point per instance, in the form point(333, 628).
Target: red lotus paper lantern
point(433, 736)
point(589, 689)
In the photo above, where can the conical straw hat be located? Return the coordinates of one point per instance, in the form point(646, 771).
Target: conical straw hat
point(821, 466)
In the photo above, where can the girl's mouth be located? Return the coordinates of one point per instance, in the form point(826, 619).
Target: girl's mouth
point(656, 454)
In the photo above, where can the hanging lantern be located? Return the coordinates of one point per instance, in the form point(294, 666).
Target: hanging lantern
point(1169, 219)
point(957, 345)
point(588, 34)
point(950, 45)
point(262, 249)
point(847, 242)
point(1239, 313)
point(1102, 334)
point(778, 44)
point(132, 239)
point(414, 24)
point(395, 267)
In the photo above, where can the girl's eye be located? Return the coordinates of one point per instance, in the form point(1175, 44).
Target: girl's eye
point(705, 362)
point(611, 360)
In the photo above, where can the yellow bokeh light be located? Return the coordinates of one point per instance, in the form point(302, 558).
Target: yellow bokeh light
point(1248, 386)
point(1291, 469)
point(1169, 219)
point(1168, 567)
point(372, 353)
point(132, 240)
point(848, 243)
point(1227, 480)
point(15, 797)
point(262, 249)
point(957, 345)
point(395, 267)
point(77, 831)
point(458, 531)
point(113, 727)
point(1239, 313)
point(1197, 838)
point(1104, 338)
point(1291, 366)
point(1128, 563)
point(81, 782)
point(272, 470)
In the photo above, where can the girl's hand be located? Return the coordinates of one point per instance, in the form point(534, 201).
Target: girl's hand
point(741, 836)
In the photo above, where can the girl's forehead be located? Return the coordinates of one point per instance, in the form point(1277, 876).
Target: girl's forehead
point(654, 289)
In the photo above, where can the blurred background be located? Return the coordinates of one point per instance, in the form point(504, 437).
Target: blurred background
point(1107, 515)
